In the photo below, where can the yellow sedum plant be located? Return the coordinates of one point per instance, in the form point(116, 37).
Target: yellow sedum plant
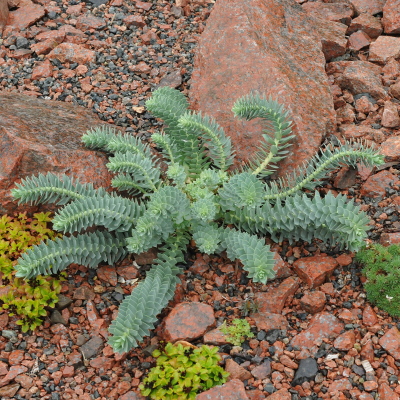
point(26, 299)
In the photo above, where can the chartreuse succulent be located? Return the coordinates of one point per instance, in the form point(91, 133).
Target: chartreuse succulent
point(26, 299)
point(182, 372)
point(382, 270)
point(196, 197)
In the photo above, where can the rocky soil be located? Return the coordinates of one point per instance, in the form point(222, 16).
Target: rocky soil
point(315, 328)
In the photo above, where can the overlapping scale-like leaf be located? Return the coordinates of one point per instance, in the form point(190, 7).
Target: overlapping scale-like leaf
point(218, 145)
point(138, 312)
point(114, 212)
point(87, 249)
point(254, 254)
point(142, 170)
point(50, 187)
point(207, 238)
point(242, 190)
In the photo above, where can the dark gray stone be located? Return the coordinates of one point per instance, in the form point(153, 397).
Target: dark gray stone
point(57, 318)
point(63, 302)
point(308, 369)
point(93, 347)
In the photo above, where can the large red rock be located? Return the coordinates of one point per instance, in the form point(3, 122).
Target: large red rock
point(268, 47)
point(376, 185)
point(188, 321)
point(337, 12)
point(391, 17)
point(368, 6)
point(274, 300)
point(23, 17)
point(315, 270)
point(38, 136)
point(390, 341)
point(232, 390)
point(3, 14)
point(72, 53)
point(360, 77)
point(322, 325)
point(366, 23)
point(384, 49)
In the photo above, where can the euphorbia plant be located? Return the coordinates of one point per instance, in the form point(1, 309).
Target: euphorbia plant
point(197, 197)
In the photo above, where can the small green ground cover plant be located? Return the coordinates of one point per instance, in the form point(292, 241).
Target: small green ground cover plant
point(382, 270)
point(26, 298)
point(182, 372)
point(237, 332)
point(197, 197)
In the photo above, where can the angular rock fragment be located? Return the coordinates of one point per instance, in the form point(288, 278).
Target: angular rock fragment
point(282, 58)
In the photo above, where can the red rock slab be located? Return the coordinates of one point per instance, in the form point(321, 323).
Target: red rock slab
point(42, 70)
point(389, 238)
point(315, 270)
point(369, 316)
point(368, 6)
point(281, 394)
point(340, 66)
point(268, 321)
point(44, 47)
point(376, 184)
point(70, 31)
point(128, 272)
point(336, 12)
point(345, 178)
point(108, 274)
point(23, 17)
point(215, 337)
point(281, 268)
point(390, 341)
point(384, 49)
point(86, 22)
point(345, 341)
point(3, 14)
point(283, 59)
point(262, 371)
point(255, 394)
point(131, 396)
point(332, 36)
point(366, 23)
point(386, 393)
point(391, 17)
point(339, 386)
point(395, 90)
point(274, 300)
point(391, 148)
point(14, 371)
point(322, 325)
point(3, 320)
point(9, 391)
point(25, 381)
point(16, 357)
point(367, 352)
point(358, 40)
point(236, 371)
point(70, 52)
point(313, 302)
point(390, 117)
point(358, 78)
point(58, 36)
point(188, 321)
point(232, 390)
point(40, 136)
point(135, 20)
point(351, 131)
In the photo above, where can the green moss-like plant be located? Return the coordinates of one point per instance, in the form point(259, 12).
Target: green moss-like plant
point(26, 299)
point(382, 270)
point(197, 198)
point(183, 372)
point(237, 332)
